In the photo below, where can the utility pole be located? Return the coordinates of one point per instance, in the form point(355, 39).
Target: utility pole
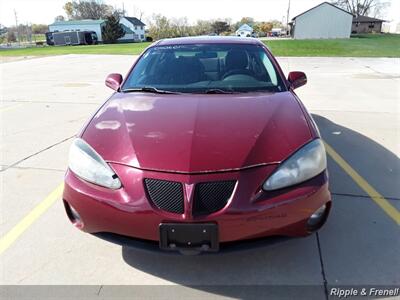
point(287, 17)
point(16, 26)
point(29, 32)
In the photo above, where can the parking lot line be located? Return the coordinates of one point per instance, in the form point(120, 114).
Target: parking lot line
point(389, 209)
point(31, 217)
point(11, 236)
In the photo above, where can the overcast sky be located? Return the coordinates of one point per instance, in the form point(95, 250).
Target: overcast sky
point(44, 11)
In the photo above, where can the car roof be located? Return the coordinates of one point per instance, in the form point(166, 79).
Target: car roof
point(209, 40)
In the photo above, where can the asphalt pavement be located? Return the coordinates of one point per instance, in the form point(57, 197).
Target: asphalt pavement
point(44, 103)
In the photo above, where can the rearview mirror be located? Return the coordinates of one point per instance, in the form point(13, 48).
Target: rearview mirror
point(113, 81)
point(297, 79)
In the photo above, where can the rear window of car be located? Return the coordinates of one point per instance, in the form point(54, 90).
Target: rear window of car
point(204, 67)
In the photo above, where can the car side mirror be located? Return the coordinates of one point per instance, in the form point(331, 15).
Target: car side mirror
point(297, 79)
point(113, 81)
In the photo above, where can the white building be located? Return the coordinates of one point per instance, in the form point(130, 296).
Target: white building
point(134, 28)
point(81, 25)
point(244, 31)
point(391, 27)
point(324, 21)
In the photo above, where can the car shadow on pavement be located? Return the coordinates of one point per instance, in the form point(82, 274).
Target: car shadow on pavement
point(376, 164)
point(244, 274)
point(360, 241)
point(354, 239)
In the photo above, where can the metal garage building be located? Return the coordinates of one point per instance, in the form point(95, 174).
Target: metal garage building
point(81, 25)
point(324, 21)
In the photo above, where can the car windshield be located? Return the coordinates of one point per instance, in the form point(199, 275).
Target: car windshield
point(205, 68)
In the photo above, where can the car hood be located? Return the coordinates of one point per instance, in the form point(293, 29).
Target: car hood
point(198, 133)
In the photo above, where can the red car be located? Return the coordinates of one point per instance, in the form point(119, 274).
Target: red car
point(203, 143)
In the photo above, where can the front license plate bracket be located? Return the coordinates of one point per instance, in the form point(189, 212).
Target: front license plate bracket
point(201, 237)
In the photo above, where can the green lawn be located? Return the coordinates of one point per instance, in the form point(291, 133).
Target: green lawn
point(129, 48)
point(378, 45)
point(371, 45)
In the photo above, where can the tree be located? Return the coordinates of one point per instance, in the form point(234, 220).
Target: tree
point(202, 27)
point(11, 37)
point(220, 26)
point(112, 30)
point(137, 12)
point(362, 7)
point(180, 27)
point(39, 28)
point(265, 27)
point(160, 27)
point(59, 18)
point(277, 24)
point(69, 9)
point(247, 20)
point(87, 9)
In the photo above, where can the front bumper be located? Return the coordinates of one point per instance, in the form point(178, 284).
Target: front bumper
point(153, 246)
point(251, 212)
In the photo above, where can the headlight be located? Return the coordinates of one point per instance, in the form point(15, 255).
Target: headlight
point(306, 163)
point(88, 165)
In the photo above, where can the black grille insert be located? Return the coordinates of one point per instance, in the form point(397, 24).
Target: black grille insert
point(166, 195)
point(210, 197)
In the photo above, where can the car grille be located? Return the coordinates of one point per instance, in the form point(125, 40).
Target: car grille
point(166, 195)
point(210, 197)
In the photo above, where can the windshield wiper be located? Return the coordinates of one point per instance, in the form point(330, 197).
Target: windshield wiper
point(148, 89)
point(219, 91)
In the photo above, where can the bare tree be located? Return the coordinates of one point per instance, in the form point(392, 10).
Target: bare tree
point(362, 7)
point(39, 28)
point(137, 12)
point(160, 27)
point(378, 11)
point(202, 27)
point(180, 27)
point(11, 37)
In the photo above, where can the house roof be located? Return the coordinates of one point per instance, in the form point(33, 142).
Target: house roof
point(365, 19)
point(79, 22)
point(245, 27)
point(319, 6)
point(135, 21)
point(127, 29)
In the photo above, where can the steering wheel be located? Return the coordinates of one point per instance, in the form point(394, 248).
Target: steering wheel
point(237, 72)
